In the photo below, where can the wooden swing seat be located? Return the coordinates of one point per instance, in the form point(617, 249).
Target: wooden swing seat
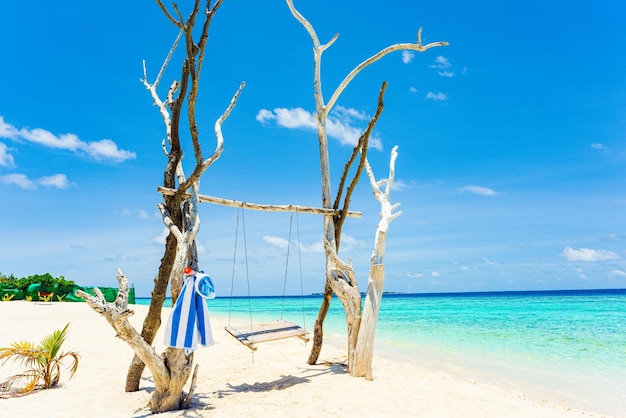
point(249, 334)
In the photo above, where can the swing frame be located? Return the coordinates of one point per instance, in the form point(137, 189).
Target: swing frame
point(255, 333)
point(280, 329)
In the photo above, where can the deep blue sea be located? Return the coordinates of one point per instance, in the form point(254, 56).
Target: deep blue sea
point(570, 345)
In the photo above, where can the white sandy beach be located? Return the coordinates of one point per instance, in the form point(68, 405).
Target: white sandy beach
point(230, 384)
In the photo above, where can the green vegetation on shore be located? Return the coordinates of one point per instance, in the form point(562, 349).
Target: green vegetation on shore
point(46, 288)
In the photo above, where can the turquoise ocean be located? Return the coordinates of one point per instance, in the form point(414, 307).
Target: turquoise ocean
point(568, 347)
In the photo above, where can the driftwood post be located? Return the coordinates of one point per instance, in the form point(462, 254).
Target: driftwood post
point(376, 281)
point(340, 278)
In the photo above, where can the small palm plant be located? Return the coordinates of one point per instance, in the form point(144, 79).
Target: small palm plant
point(43, 362)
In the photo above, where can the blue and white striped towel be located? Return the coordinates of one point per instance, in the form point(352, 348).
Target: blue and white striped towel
point(188, 323)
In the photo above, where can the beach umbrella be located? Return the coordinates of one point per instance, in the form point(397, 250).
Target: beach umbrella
point(188, 323)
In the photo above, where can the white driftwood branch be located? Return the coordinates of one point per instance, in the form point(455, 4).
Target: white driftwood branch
point(167, 61)
point(386, 215)
point(219, 147)
point(259, 206)
point(392, 48)
point(342, 279)
point(318, 50)
point(183, 238)
point(338, 269)
point(117, 313)
point(163, 105)
point(376, 278)
point(307, 25)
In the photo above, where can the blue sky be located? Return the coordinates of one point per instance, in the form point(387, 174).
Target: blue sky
point(511, 171)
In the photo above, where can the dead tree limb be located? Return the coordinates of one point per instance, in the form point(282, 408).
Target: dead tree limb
point(332, 226)
point(362, 366)
point(172, 369)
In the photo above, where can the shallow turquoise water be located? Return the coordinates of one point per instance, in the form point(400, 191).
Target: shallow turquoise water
point(571, 344)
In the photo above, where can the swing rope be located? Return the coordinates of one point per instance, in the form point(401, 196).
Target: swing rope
point(282, 309)
point(245, 251)
point(300, 268)
point(232, 277)
point(299, 265)
point(283, 329)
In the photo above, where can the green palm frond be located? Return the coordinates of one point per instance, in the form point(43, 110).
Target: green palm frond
point(51, 344)
point(43, 362)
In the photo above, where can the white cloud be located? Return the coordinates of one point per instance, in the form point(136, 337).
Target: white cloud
point(160, 239)
point(48, 139)
point(19, 180)
point(588, 254)
point(490, 262)
point(121, 257)
point(276, 241)
point(435, 274)
point(59, 181)
point(295, 118)
point(443, 66)
point(437, 97)
point(141, 213)
point(398, 185)
point(201, 248)
point(338, 124)
point(265, 115)
point(104, 149)
point(7, 130)
point(348, 242)
point(614, 236)
point(597, 145)
point(415, 275)
point(478, 190)
point(349, 113)
point(413, 90)
point(349, 135)
point(441, 62)
point(282, 243)
point(581, 273)
point(407, 56)
point(618, 273)
point(6, 159)
point(316, 247)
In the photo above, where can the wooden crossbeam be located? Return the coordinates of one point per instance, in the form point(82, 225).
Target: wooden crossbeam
point(248, 335)
point(264, 207)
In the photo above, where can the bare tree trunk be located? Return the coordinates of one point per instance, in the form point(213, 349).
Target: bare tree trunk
point(347, 290)
point(173, 176)
point(343, 282)
point(362, 366)
point(172, 369)
point(152, 322)
point(318, 329)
